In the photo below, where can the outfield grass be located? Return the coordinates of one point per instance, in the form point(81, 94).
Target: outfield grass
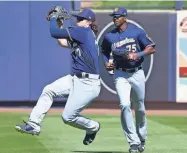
point(134, 4)
point(165, 135)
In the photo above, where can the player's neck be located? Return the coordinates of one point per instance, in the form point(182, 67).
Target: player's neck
point(123, 27)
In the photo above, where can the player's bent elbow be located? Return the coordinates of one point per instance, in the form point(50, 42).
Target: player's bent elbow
point(150, 51)
point(153, 50)
point(53, 33)
point(63, 42)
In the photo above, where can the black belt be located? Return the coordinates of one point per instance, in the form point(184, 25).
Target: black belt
point(87, 75)
point(131, 70)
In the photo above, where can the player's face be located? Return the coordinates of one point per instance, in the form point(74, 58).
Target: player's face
point(83, 22)
point(119, 20)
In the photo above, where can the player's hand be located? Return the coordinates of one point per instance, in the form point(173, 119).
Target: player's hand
point(60, 23)
point(132, 56)
point(59, 12)
point(109, 66)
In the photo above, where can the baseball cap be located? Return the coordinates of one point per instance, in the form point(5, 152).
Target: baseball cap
point(86, 13)
point(119, 11)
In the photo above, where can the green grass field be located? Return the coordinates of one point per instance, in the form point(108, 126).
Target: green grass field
point(165, 135)
point(149, 4)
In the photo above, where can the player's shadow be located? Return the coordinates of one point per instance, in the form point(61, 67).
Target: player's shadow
point(99, 152)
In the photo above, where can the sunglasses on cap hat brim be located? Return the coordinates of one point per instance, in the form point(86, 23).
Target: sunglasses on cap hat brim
point(81, 19)
point(118, 16)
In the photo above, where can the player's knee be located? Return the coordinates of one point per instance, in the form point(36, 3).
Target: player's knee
point(124, 105)
point(139, 106)
point(48, 90)
point(140, 109)
point(67, 118)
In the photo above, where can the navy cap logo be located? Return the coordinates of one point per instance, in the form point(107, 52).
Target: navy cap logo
point(116, 9)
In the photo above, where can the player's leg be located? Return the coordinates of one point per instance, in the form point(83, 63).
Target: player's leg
point(138, 85)
point(84, 91)
point(58, 88)
point(123, 89)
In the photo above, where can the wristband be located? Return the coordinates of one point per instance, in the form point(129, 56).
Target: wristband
point(140, 54)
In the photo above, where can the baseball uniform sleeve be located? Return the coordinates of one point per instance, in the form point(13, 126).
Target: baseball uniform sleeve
point(145, 40)
point(106, 49)
point(77, 33)
point(56, 32)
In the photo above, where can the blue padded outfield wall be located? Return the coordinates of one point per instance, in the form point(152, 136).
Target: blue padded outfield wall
point(30, 58)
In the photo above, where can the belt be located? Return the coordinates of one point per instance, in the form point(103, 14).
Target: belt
point(131, 70)
point(87, 75)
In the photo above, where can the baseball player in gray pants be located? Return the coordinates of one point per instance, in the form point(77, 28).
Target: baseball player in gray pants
point(128, 45)
point(82, 86)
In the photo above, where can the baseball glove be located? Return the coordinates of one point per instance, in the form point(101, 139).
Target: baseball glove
point(59, 13)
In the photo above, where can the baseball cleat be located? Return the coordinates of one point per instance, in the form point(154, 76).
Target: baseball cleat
point(90, 137)
point(26, 128)
point(141, 147)
point(134, 148)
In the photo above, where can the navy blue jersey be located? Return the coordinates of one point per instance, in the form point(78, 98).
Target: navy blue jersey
point(83, 44)
point(84, 50)
point(132, 39)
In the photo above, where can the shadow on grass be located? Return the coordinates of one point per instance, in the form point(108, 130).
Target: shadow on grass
point(99, 152)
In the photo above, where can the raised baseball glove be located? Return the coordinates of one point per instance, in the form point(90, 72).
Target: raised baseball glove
point(59, 13)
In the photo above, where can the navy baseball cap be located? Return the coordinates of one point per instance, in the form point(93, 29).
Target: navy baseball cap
point(86, 14)
point(119, 11)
